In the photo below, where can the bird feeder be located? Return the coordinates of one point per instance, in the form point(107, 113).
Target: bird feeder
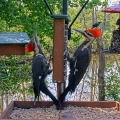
point(60, 39)
point(115, 40)
point(59, 48)
point(13, 43)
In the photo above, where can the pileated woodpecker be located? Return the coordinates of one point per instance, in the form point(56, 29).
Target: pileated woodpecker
point(80, 60)
point(40, 69)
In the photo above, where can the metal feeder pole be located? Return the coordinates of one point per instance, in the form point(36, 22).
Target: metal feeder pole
point(61, 86)
point(48, 7)
point(64, 11)
point(69, 29)
point(60, 39)
point(64, 7)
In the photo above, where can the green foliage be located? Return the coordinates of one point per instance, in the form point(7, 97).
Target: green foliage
point(112, 80)
point(18, 73)
point(106, 39)
point(94, 3)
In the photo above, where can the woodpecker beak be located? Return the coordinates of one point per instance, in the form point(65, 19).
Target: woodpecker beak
point(86, 34)
point(90, 34)
point(91, 38)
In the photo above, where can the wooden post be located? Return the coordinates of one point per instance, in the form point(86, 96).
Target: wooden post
point(58, 50)
point(60, 38)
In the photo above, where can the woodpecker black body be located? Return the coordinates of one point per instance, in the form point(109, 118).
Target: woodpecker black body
point(40, 70)
point(80, 61)
point(39, 73)
point(78, 65)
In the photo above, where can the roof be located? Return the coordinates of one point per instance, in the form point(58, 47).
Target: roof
point(14, 38)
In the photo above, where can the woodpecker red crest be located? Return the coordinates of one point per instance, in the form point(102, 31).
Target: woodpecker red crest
point(29, 47)
point(95, 32)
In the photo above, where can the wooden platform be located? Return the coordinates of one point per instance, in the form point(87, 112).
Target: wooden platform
point(62, 116)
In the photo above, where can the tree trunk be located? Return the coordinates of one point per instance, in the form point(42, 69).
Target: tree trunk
point(91, 82)
point(1, 103)
point(101, 81)
point(6, 99)
point(23, 93)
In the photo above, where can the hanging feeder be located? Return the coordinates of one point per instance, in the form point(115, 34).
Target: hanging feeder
point(13, 43)
point(115, 41)
point(113, 9)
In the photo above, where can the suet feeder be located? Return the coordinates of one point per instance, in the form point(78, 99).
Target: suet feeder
point(60, 38)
